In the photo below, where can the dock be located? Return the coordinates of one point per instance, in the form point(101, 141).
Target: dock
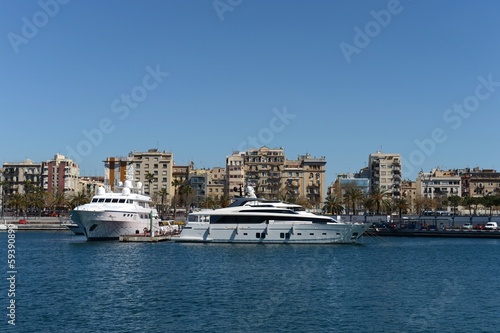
point(450, 233)
point(144, 239)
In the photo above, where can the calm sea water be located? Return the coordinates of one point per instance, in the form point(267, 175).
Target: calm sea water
point(66, 284)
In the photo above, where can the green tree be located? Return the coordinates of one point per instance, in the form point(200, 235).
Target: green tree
point(402, 205)
point(163, 193)
point(353, 195)
point(333, 205)
point(175, 183)
point(150, 178)
point(379, 199)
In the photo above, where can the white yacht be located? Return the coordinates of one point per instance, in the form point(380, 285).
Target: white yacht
point(254, 220)
point(77, 230)
point(110, 215)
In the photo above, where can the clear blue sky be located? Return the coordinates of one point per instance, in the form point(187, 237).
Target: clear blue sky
point(340, 79)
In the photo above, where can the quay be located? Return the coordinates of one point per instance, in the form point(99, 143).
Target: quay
point(144, 239)
point(37, 224)
point(448, 233)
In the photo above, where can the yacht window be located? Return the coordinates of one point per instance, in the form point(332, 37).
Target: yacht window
point(299, 234)
point(312, 233)
point(114, 200)
point(192, 218)
point(282, 235)
point(95, 200)
point(122, 200)
point(257, 235)
point(101, 200)
point(324, 234)
point(287, 235)
point(107, 200)
point(245, 234)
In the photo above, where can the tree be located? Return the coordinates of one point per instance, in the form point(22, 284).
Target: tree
point(454, 201)
point(17, 201)
point(353, 195)
point(402, 205)
point(175, 183)
point(150, 178)
point(163, 195)
point(379, 199)
point(78, 199)
point(333, 205)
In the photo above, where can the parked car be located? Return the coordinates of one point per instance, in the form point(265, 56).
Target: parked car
point(491, 226)
point(467, 226)
point(479, 226)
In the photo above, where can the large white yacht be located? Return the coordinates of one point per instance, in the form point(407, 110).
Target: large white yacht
point(254, 220)
point(110, 215)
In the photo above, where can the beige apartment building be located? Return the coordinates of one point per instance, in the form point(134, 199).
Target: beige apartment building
point(235, 174)
point(385, 172)
point(17, 174)
point(273, 176)
point(479, 182)
point(438, 184)
point(154, 169)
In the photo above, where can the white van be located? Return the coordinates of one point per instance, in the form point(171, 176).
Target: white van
point(491, 226)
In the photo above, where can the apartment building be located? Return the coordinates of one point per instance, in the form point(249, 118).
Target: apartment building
point(262, 167)
point(478, 182)
point(385, 172)
point(273, 176)
point(235, 174)
point(154, 169)
point(60, 175)
point(17, 174)
point(438, 184)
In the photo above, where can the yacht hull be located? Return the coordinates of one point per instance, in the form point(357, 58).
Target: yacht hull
point(283, 233)
point(105, 225)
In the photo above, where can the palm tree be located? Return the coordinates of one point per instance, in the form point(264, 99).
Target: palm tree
point(175, 183)
point(163, 194)
point(18, 201)
point(454, 202)
point(78, 199)
point(4, 184)
point(224, 201)
point(150, 178)
point(379, 199)
point(353, 195)
point(333, 205)
point(402, 205)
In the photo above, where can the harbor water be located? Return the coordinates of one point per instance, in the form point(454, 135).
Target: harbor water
point(64, 283)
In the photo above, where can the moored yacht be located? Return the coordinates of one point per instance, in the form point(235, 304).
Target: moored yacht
point(255, 220)
point(110, 215)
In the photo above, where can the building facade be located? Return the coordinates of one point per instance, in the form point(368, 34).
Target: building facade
point(60, 175)
point(385, 173)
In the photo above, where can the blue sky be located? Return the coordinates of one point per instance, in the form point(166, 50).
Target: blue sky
point(340, 79)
